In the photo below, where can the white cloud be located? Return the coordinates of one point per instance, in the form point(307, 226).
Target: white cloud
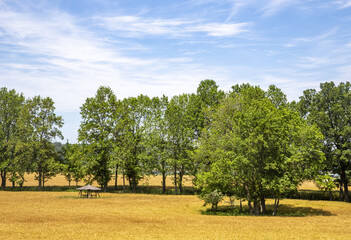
point(274, 6)
point(136, 26)
point(221, 29)
point(51, 55)
point(343, 3)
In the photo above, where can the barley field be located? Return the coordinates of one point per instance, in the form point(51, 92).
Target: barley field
point(61, 215)
point(59, 180)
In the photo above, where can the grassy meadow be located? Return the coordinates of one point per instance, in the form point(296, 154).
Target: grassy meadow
point(60, 180)
point(61, 215)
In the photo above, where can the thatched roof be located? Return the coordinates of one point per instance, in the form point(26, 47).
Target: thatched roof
point(89, 187)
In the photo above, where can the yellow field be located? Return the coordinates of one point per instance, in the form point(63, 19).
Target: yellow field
point(60, 180)
point(60, 215)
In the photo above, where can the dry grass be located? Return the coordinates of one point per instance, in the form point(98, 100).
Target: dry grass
point(309, 185)
point(60, 180)
point(60, 215)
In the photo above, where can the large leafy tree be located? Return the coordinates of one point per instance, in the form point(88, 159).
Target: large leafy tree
point(157, 139)
point(132, 129)
point(11, 103)
point(72, 163)
point(181, 135)
point(39, 126)
point(208, 96)
point(330, 109)
point(253, 149)
point(95, 134)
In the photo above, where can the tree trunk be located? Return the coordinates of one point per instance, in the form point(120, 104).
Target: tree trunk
point(341, 193)
point(124, 181)
point(39, 179)
point(256, 208)
point(344, 182)
point(331, 197)
point(134, 185)
point(181, 182)
point(241, 205)
point(175, 180)
point(346, 191)
point(276, 203)
point(105, 187)
point(3, 180)
point(163, 178)
point(13, 184)
point(116, 177)
point(263, 204)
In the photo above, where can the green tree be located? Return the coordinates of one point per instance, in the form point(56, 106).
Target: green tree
point(39, 126)
point(157, 139)
point(330, 110)
point(10, 106)
point(96, 134)
point(207, 96)
point(133, 129)
point(253, 149)
point(181, 135)
point(72, 163)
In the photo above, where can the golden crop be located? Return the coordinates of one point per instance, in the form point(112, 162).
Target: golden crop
point(59, 180)
point(61, 215)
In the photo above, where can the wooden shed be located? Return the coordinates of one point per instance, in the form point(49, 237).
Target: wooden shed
point(89, 191)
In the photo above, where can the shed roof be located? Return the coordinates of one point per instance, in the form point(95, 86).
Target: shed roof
point(90, 188)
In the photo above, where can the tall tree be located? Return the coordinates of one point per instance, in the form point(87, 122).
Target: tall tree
point(39, 126)
point(72, 164)
point(208, 96)
point(253, 149)
point(10, 106)
point(134, 125)
point(330, 109)
point(157, 138)
point(96, 134)
point(181, 134)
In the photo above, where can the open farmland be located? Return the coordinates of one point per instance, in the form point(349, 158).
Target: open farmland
point(60, 215)
point(60, 180)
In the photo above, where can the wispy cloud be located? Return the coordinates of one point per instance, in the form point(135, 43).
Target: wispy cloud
point(56, 57)
point(343, 3)
point(137, 26)
point(274, 6)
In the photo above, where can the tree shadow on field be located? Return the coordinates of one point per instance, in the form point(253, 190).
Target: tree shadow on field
point(284, 210)
point(289, 210)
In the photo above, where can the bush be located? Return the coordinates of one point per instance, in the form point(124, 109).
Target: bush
point(212, 198)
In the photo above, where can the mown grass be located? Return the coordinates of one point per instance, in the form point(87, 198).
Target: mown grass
point(61, 215)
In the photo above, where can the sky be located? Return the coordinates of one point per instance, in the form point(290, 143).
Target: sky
point(66, 49)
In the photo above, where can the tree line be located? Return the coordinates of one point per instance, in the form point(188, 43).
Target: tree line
point(246, 143)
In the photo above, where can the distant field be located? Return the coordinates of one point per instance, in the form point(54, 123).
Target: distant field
point(60, 180)
point(61, 215)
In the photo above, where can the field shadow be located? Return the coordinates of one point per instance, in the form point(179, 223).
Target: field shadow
point(284, 210)
point(289, 210)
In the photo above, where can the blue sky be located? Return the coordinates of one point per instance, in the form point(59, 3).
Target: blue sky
point(66, 49)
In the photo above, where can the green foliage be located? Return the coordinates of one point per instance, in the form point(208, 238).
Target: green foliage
point(330, 110)
point(72, 163)
point(212, 198)
point(96, 134)
point(252, 148)
point(38, 127)
point(325, 182)
point(10, 106)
